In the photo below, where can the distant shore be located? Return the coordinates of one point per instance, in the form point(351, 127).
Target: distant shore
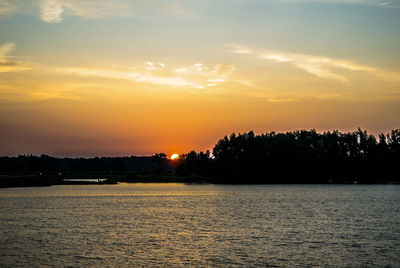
point(8, 181)
point(46, 181)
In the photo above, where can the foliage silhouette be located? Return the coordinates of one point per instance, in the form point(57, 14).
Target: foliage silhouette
point(299, 157)
point(292, 157)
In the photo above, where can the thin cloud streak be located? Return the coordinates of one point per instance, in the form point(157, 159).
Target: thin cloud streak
point(195, 76)
point(52, 10)
point(283, 100)
point(125, 75)
point(358, 2)
point(320, 66)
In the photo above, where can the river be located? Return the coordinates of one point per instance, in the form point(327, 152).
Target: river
point(180, 225)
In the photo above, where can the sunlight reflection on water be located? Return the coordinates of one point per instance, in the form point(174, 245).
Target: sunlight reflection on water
point(200, 225)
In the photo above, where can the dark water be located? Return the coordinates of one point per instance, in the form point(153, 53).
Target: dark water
point(200, 225)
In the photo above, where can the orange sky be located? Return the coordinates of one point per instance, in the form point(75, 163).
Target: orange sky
point(86, 78)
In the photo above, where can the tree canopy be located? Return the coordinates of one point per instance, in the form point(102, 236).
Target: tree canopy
point(303, 156)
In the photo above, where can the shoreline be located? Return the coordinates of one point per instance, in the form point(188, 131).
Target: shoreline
point(46, 181)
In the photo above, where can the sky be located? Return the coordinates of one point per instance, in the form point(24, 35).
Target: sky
point(138, 77)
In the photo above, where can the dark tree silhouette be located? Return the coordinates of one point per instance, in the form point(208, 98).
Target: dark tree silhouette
point(299, 157)
point(292, 157)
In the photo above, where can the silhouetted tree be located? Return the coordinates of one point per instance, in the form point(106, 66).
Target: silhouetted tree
point(293, 157)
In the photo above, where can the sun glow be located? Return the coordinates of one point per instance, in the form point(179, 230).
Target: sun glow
point(174, 156)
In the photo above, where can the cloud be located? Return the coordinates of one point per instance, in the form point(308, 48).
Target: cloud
point(51, 11)
point(389, 4)
point(282, 100)
point(237, 49)
point(95, 9)
point(246, 83)
point(323, 67)
point(195, 76)
point(151, 66)
point(359, 2)
point(139, 77)
point(5, 49)
point(224, 70)
point(7, 65)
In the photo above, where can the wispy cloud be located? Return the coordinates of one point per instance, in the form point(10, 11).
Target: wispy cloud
point(321, 66)
point(246, 83)
point(52, 10)
point(7, 64)
point(5, 49)
point(195, 76)
point(281, 100)
point(360, 2)
point(238, 49)
point(390, 4)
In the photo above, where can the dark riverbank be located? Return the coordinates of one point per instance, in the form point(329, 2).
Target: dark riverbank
point(43, 181)
point(40, 181)
point(84, 179)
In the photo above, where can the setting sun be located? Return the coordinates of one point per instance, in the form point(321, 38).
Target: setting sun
point(175, 156)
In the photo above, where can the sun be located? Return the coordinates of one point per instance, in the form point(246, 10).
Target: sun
point(175, 156)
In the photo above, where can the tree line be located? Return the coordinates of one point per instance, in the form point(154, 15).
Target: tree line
point(299, 157)
point(47, 165)
point(293, 157)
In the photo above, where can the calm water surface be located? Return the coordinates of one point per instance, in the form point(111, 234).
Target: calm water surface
point(200, 225)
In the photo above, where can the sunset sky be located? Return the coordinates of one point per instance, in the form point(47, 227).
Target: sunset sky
point(131, 77)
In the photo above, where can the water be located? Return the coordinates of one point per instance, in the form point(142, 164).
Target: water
point(200, 225)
